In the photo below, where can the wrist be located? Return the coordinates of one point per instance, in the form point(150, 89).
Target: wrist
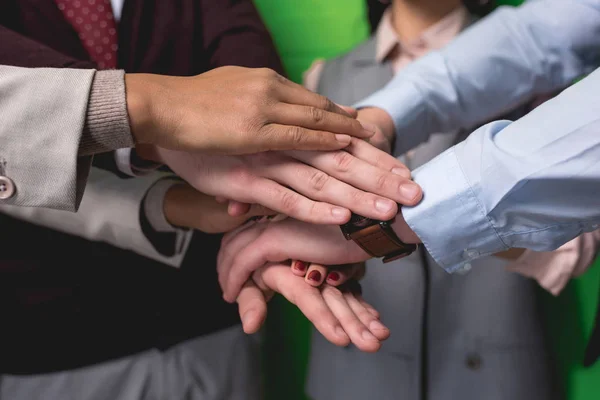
point(403, 230)
point(139, 106)
point(174, 205)
point(148, 152)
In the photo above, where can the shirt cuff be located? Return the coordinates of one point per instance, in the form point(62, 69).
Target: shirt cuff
point(107, 122)
point(154, 206)
point(130, 164)
point(450, 221)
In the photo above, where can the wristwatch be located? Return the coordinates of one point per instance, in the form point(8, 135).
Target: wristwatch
point(377, 238)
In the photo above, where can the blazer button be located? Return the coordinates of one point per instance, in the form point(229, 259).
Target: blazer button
point(7, 188)
point(474, 362)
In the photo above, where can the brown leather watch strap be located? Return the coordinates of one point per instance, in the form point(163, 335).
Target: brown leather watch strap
point(381, 241)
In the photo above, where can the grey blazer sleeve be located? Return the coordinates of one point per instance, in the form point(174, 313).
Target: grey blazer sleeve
point(110, 213)
point(48, 132)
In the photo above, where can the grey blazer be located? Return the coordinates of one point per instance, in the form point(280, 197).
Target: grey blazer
point(476, 336)
point(44, 148)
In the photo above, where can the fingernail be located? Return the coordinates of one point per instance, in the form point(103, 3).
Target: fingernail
point(409, 190)
point(248, 317)
point(401, 171)
point(369, 336)
point(345, 139)
point(314, 276)
point(339, 212)
point(377, 326)
point(301, 266)
point(384, 206)
point(369, 127)
point(333, 276)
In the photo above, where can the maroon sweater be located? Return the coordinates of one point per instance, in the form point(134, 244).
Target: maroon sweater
point(67, 302)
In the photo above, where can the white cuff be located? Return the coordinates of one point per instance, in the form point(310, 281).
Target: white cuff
point(154, 205)
point(125, 164)
point(450, 221)
point(123, 160)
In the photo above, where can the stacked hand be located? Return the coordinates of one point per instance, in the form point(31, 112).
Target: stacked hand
point(236, 133)
point(235, 110)
point(340, 314)
point(313, 186)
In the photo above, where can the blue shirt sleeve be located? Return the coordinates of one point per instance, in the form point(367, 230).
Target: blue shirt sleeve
point(498, 63)
point(533, 183)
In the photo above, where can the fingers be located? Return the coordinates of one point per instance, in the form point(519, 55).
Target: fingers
point(366, 317)
point(308, 299)
point(285, 201)
point(359, 334)
point(369, 307)
point(252, 307)
point(231, 245)
point(353, 113)
point(378, 158)
point(288, 137)
point(320, 186)
point(237, 209)
point(315, 275)
point(295, 94)
point(299, 268)
point(362, 175)
point(321, 120)
point(339, 275)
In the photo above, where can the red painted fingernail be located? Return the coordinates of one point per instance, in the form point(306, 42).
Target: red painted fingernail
point(314, 276)
point(333, 276)
point(301, 266)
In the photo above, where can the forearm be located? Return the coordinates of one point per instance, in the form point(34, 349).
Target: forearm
point(530, 184)
point(502, 61)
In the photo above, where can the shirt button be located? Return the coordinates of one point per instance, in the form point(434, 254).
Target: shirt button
point(464, 269)
point(470, 254)
point(7, 188)
point(474, 362)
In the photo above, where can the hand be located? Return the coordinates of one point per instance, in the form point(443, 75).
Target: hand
point(235, 110)
point(317, 187)
point(244, 251)
point(342, 316)
point(186, 207)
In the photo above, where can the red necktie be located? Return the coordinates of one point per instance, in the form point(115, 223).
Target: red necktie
point(95, 23)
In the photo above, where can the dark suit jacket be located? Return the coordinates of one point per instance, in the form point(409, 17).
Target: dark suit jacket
point(67, 302)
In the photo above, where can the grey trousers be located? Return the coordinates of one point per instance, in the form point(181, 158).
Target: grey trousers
point(220, 366)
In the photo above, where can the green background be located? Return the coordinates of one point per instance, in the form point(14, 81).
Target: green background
point(305, 30)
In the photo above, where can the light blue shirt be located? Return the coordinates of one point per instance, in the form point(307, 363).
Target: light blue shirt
point(534, 183)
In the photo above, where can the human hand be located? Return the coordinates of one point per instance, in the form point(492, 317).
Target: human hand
point(186, 207)
point(249, 248)
point(245, 250)
point(235, 110)
point(317, 187)
point(341, 315)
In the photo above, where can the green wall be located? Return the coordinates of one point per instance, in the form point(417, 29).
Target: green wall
point(305, 30)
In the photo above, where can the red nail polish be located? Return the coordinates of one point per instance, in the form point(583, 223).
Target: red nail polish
point(301, 266)
point(333, 276)
point(314, 276)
